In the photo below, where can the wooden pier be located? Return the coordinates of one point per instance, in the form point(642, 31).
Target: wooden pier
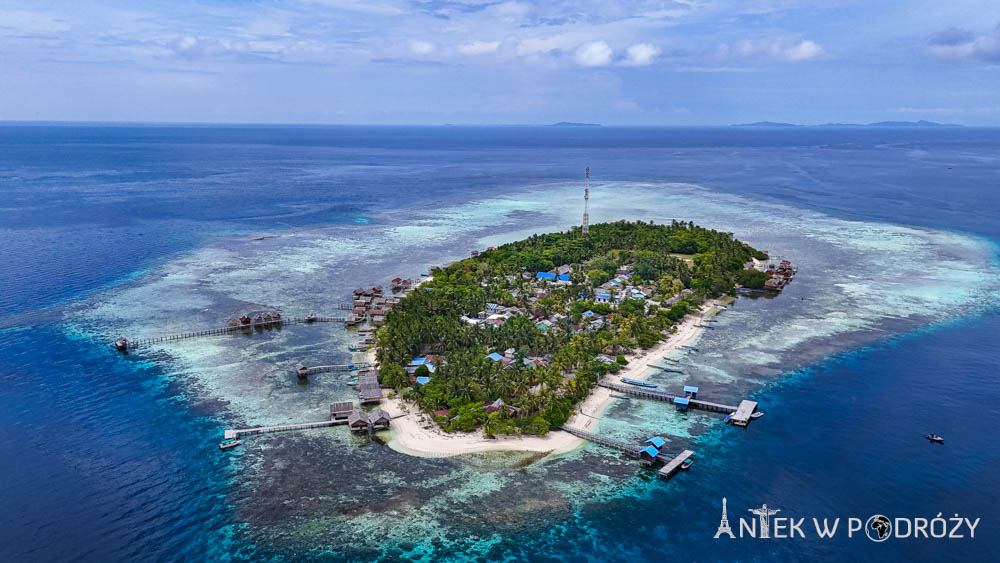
point(343, 413)
point(125, 344)
point(235, 434)
point(674, 465)
point(740, 414)
point(671, 462)
point(305, 371)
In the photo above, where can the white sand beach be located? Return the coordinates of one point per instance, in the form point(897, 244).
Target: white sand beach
point(415, 433)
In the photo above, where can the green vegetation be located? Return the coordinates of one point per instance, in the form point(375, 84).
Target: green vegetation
point(567, 358)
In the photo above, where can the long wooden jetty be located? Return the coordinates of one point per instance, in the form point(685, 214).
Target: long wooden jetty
point(236, 433)
point(671, 462)
point(142, 342)
point(740, 414)
point(303, 370)
point(627, 447)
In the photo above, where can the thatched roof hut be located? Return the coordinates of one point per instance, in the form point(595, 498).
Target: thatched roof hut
point(358, 421)
point(379, 419)
point(342, 410)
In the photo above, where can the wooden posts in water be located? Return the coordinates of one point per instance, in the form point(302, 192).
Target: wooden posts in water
point(243, 324)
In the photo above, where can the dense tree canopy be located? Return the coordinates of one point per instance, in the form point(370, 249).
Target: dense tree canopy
point(428, 320)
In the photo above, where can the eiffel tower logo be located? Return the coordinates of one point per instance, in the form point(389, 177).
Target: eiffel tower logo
point(724, 525)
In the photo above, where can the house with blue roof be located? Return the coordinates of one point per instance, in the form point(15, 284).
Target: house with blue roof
point(494, 356)
point(415, 363)
point(545, 276)
point(656, 441)
point(681, 403)
point(563, 277)
point(691, 391)
point(423, 380)
point(648, 454)
point(587, 314)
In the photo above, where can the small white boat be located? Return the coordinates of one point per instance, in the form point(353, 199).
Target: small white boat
point(227, 444)
point(757, 415)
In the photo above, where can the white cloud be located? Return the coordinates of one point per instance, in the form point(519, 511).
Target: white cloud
point(803, 51)
point(479, 47)
point(641, 54)
point(420, 47)
point(777, 49)
point(594, 53)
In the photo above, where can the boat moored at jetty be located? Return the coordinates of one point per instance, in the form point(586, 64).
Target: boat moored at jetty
point(638, 383)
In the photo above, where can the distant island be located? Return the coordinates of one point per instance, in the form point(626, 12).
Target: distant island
point(574, 124)
point(766, 124)
point(921, 123)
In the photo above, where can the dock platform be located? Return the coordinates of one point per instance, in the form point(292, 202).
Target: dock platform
point(742, 415)
point(674, 465)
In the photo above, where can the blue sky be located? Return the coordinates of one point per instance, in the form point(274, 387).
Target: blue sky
point(681, 62)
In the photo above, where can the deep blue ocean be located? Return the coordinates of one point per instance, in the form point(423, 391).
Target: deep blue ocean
point(106, 458)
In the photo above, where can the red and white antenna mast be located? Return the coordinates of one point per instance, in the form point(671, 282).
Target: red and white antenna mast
point(586, 205)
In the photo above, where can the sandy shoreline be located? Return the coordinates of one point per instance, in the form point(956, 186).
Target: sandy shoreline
point(415, 433)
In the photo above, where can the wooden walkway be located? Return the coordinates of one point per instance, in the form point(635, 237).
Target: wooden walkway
point(669, 398)
point(304, 370)
point(626, 447)
point(235, 434)
point(142, 342)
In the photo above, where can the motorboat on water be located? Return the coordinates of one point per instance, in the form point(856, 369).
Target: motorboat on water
point(638, 383)
point(756, 415)
point(230, 443)
point(935, 438)
point(687, 463)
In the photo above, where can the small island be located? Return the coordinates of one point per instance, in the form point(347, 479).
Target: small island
point(512, 340)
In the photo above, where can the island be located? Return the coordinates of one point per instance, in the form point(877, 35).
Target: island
point(512, 341)
point(574, 124)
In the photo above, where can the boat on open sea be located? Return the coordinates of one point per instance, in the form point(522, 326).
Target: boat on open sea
point(636, 382)
point(935, 438)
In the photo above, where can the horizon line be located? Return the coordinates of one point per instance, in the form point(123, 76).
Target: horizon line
point(559, 124)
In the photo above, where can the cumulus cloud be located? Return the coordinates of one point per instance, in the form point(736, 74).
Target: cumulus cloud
point(802, 51)
point(957, 43)
point(420, 47)
point(479, 47)
point(593, 53)
point(776, 49)
point(641, 54)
